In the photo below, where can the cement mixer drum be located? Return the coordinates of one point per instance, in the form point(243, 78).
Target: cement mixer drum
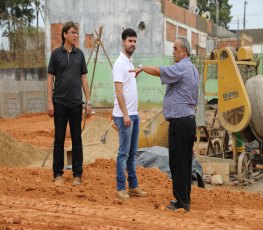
point(254, 88)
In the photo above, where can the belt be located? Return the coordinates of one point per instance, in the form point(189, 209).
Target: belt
point(180, 118)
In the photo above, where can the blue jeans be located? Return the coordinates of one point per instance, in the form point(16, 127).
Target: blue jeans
point(62, 115)
point(128, 145)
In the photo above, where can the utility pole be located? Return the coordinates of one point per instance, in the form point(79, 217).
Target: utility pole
point(238, 40)
point(244, 20)
point(217, 12)
point(217, 21)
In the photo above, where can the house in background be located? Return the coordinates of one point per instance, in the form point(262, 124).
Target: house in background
point(257, 39)
point(256, 36)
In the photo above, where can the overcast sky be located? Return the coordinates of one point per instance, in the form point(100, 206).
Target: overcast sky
point(254, 14)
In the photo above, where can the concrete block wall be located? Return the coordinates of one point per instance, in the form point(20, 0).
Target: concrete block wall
point(114, 16)
point(18, 96)
point(9, 102)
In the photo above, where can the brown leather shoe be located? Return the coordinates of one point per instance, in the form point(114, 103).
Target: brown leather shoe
point(137, 192)
point(122, 194)
point(76, 181)
point(59, 181)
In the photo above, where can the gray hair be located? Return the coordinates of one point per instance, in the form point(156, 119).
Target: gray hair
point(185, 44)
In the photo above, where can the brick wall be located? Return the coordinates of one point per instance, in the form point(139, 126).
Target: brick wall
point(170, 32)
point(179, 14)
point(190, 18)
point(55, 35)
point(88, 41)
point(201, 26)
point(173, 11)
point(182, 32)
point(195, 40)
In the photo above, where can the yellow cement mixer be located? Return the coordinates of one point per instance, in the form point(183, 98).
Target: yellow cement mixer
point(240, 102)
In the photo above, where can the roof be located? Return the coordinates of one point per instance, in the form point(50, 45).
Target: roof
point(256, 34)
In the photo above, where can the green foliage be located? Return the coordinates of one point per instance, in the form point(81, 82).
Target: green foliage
point(210, 5)
point(181, 3)
point(15, 14)
point(25, 41)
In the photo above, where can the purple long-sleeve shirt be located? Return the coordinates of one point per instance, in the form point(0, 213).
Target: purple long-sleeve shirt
point(182, 83)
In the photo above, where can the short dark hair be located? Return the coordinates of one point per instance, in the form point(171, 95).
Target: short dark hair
point(66, 28)
point(128, 33)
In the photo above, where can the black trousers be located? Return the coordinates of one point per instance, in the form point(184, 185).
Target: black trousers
point(63, 115)
point(181, 140)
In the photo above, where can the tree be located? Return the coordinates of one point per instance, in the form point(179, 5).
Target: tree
point(39, 8)
point(15, 14)
point(210, 5)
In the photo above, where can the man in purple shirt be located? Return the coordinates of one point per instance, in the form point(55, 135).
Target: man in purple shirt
point(182, 83)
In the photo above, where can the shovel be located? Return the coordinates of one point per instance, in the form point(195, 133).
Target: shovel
point(103, 137)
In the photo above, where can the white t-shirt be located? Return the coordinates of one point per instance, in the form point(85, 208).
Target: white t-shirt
point(121, 73)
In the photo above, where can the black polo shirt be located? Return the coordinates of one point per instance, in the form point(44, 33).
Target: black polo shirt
point(67, 68)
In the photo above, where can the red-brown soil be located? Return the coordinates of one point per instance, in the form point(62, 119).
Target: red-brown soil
point(30, 200)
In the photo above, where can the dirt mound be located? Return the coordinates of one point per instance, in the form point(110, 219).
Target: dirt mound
point(38, 130)
point(14, 153)
point(30, 200)
point(96, 128)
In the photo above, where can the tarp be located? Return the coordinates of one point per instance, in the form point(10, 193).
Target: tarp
point(157, 157)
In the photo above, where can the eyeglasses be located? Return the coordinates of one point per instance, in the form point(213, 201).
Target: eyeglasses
point(73, 33)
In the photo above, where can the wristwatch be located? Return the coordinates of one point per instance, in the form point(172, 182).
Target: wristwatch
point(140, 67)
point(88, 103)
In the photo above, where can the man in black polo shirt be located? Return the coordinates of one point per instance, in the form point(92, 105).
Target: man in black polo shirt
point(68, 68)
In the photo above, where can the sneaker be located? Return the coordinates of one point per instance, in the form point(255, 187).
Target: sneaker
point(137, 192)
point(58, 181)
point(76, 181)
point(122, 194)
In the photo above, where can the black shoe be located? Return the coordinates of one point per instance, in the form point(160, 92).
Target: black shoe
point(175, 207)
point(173, 202)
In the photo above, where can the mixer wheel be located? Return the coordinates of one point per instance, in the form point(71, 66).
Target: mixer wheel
point(244, 167)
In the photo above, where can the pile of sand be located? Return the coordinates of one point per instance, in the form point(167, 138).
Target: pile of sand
point(37, 132)
point(15, 153)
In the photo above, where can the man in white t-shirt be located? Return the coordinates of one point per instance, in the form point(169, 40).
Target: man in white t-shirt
point(125, 114)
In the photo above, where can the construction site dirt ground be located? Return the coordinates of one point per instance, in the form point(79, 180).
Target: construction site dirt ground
point(30, 200)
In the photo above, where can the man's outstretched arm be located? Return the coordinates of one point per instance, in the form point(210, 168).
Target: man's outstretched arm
point(152, 70)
